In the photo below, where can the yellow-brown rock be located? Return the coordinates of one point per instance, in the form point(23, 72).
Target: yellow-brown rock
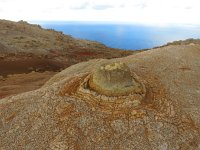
point(114, 79)
point(70, 112)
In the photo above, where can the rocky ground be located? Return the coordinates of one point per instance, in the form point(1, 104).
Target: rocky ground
point(25, 48)
point(79, 108)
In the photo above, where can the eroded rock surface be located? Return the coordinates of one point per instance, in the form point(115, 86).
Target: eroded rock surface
point(114, 79)
point(112, 86)
point(70, 112)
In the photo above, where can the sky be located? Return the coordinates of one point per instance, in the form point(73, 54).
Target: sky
point(133, 11)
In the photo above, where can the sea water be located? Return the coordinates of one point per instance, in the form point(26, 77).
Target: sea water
point(125, 36)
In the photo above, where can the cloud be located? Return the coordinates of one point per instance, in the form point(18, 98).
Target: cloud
point(142, 5)
point(91, 5)
point(84, 5)
point(121, 6)
point(188, 7)
point(139, 11)
point(102, 7)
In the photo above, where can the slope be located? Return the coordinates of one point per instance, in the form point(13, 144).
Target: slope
point(161, 111)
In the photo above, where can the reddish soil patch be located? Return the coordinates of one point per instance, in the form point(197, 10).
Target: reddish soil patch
point(27, 65)
point(2, 95)
point(19, 83)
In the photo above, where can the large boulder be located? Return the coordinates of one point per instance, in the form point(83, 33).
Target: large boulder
point(69, 112)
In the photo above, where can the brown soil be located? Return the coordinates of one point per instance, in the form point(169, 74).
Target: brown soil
point(18, 83)
point(26, 66)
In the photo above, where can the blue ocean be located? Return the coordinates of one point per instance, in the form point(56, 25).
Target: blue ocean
point(125, 36)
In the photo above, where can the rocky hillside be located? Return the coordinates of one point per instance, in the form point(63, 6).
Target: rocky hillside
point(3, 49)
point(30, 55)
point(32, 48)
point(190, 41)
point(145, 101)
point(185, 42)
